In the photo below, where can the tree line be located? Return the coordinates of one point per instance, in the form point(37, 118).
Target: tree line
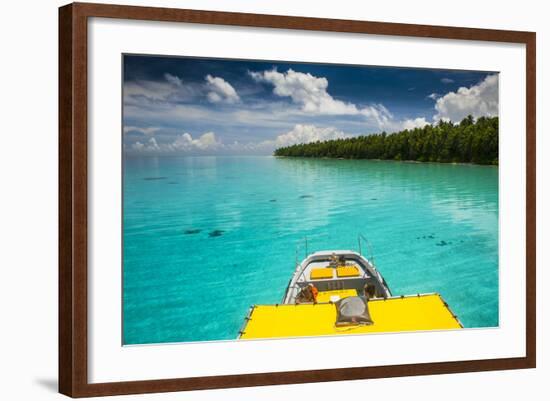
point(470, 141)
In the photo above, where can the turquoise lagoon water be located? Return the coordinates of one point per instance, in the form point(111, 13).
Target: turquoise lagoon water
point(206, 237)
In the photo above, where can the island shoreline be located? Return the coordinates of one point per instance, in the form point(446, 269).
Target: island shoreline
point(472, 141)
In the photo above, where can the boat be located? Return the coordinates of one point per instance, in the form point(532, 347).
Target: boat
point(334, 292)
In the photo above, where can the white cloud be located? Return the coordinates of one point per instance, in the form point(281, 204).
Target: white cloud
point(138, 146)
point(433, 96)
point(310, 92)
point(171, 88)
point(185, 142)
point(182, 143)
point(143, 130)
point(209, 143)
point(151, 90)
point(300, 133)
point(173, 80)
point(410, 124)
point(150, 146)
point(306, 134)
point(380, 114)
point(306, 90)
point(447, 80)
point(153, 143)
point(220, 90)
point(478, 100)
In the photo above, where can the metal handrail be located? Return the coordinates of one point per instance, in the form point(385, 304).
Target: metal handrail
point(306, 256)
point(369, 246)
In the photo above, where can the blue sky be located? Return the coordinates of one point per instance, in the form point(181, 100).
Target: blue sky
point(180, 105)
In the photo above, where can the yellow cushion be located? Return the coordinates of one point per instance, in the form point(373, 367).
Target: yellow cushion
point(347, 271)
point(317, 274)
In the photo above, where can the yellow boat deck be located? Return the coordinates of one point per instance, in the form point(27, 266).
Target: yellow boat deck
point(410, 313)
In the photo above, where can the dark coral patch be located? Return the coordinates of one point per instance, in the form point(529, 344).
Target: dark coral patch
point(215, 233)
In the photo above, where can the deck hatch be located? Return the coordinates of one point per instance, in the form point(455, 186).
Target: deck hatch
point(321, 273)
point(347, 271)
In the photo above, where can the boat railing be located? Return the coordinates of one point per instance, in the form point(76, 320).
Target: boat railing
point(297, 265)
point(361, 241)
point(361, 238)
point(370, 259)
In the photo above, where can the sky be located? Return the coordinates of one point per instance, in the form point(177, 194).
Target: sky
point(207, 106)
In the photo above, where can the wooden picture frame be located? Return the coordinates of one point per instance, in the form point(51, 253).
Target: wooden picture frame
point(73, 198)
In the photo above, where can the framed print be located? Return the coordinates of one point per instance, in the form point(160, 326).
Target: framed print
point(251, 200)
